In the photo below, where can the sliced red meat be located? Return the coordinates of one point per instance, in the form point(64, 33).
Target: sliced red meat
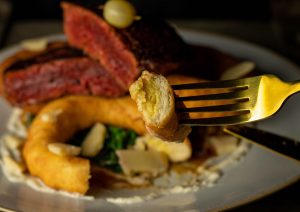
point(55, 73)
point(146, 44)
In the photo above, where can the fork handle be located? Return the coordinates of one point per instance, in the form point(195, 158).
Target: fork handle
point(295, 87)
point(276, 143)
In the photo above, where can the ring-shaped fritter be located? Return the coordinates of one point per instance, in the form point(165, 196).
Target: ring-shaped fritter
point(58, 121)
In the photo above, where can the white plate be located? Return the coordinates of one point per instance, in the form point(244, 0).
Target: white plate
point(259, 174)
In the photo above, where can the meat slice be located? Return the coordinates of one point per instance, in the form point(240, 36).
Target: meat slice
point(146, 44)
point(30, 78)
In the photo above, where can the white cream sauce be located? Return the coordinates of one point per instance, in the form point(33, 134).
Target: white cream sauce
point(207, 174)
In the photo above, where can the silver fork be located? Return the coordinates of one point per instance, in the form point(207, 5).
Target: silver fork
point(235, 101)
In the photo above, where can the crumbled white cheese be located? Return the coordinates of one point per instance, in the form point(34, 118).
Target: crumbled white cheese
point(222, 145)
point(219, 163)
point(140, 144)
point(209, 178)
point(171, 182)
point(62, 149)
point(51, 116)
point(14, 172)
point(131, 200)
point(182, 190)
point(15, 168)
point(12, 142)
point(15, 124)
point(38, 185)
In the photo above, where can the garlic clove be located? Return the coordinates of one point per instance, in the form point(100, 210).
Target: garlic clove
point(176, 152)
point(38, 44)
point(13, 166)
point(94, 141)
point(62, 149)
point(12, 142)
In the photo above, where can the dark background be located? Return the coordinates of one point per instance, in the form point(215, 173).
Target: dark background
point(284, 12)
point(208, 9)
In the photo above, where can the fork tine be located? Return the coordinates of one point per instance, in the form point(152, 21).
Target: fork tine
point(236, 95)
point(226, 120)
point(239, 107)
point(212, 84)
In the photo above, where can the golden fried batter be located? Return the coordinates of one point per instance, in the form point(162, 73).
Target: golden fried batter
point(58, 121)
point(155, 100)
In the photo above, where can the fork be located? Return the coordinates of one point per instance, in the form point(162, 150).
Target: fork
point(233, 101)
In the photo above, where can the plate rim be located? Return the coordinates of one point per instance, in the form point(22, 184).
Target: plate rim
point(260, 195)
point(274, 54)
point(226, 38)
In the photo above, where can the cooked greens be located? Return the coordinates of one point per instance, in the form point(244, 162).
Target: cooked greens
point(27, 118)
point(116, 138)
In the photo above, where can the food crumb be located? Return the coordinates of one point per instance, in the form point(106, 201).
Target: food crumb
point(52, 116)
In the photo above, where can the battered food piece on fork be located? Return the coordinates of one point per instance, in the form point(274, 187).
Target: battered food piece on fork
point(155, 100)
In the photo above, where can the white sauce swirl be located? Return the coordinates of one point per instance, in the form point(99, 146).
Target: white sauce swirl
point(170, 183)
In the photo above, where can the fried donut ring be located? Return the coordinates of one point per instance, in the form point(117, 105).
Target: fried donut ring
point(58, 121)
